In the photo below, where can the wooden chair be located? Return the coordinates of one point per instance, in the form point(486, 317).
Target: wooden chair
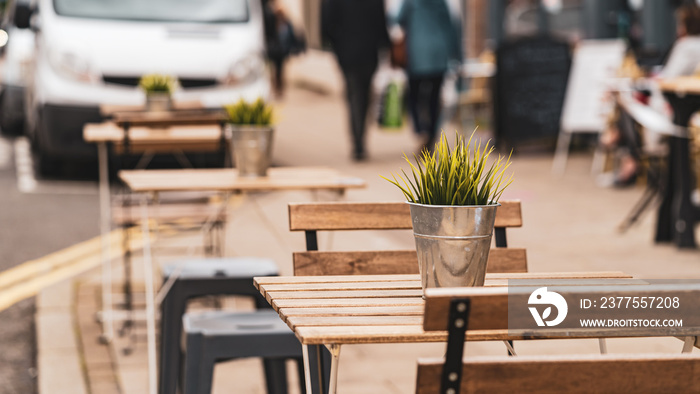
point(458, 310)
point(335, 216)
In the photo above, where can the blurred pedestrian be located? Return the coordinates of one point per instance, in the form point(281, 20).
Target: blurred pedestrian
point(434, 42)
point(356, 30)
point(683, 60)
point(281, 40)
point(684, 57)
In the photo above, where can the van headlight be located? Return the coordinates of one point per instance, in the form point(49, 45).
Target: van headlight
point(244, 70)
point(71, 66)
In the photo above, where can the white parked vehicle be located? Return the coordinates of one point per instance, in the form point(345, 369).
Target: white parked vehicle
point(90, 53)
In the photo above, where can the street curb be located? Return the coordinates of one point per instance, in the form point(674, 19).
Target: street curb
point(59, 362)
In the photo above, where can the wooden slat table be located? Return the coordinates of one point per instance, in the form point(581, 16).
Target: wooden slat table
point(226, 181)
point(165, 118)
point(146, 133)
point(188, 128)
point(361, 309)
point(279, 178)
point(191, 138)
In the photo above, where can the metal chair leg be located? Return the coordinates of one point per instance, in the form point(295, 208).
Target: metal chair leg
point(562, 153)
point(275, 376)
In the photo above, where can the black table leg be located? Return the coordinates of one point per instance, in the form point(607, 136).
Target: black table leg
point(682, 208)
point(664, 218)
point(677, 215)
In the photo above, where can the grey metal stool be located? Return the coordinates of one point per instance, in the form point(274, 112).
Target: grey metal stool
point(198, 278)
point(218, 336)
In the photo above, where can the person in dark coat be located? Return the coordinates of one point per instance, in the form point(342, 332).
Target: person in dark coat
point(279, 37)
point(356, 30)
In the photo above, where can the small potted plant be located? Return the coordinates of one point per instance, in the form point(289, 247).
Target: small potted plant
point(159, 89)
point(250, 127)
point(453, 195)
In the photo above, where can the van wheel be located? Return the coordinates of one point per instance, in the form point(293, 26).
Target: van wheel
point(46, 166)
point(13, 127)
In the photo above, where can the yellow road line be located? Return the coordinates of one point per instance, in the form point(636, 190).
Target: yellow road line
point(29, 278)
point(54, 260)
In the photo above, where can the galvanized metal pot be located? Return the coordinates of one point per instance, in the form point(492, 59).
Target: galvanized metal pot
point(158, 102)
point(252, 149)
point(453, 243)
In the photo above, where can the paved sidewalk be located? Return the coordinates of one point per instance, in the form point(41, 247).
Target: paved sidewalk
point(569, 225)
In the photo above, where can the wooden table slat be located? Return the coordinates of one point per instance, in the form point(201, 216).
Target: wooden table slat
point(278, 178)
point(295, 322)
point(110, 132)
point(685, 84)
point(362, 334)
point(278, 304)
point(397, 310)
point(332, 279)
point(183, 116)
point(408, 284)
point(391, 278)
point(344, 294)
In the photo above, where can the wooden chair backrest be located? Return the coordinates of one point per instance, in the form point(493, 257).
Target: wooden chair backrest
point(569, 374)
point(337, 216)
point(487, 309)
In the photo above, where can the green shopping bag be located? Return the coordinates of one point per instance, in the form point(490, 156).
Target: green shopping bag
point(393, 109)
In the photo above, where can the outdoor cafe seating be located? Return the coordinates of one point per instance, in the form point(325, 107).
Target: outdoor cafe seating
point(217, 334)
point(373, 296)
point(338, 298)
point(335, 297)
point(132, 132)
point(310, 334)
point(187, 279)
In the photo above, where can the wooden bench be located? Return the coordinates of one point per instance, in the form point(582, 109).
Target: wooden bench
point(336, 216)
point(458, 310)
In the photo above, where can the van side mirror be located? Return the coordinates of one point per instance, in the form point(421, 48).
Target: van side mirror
point(23, 15)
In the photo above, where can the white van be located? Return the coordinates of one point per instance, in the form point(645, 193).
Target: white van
point(90, 53)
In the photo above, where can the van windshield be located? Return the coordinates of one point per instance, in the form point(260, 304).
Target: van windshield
point(202, 11)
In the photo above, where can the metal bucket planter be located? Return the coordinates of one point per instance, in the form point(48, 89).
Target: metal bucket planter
point(252, 149)
point(158, 102)
point(453, 243)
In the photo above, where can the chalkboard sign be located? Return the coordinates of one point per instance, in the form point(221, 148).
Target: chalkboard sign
point(530, 85)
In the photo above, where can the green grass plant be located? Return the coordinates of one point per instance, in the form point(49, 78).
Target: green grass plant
point(158, 83)
point(257, 113)
point(455, 176)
